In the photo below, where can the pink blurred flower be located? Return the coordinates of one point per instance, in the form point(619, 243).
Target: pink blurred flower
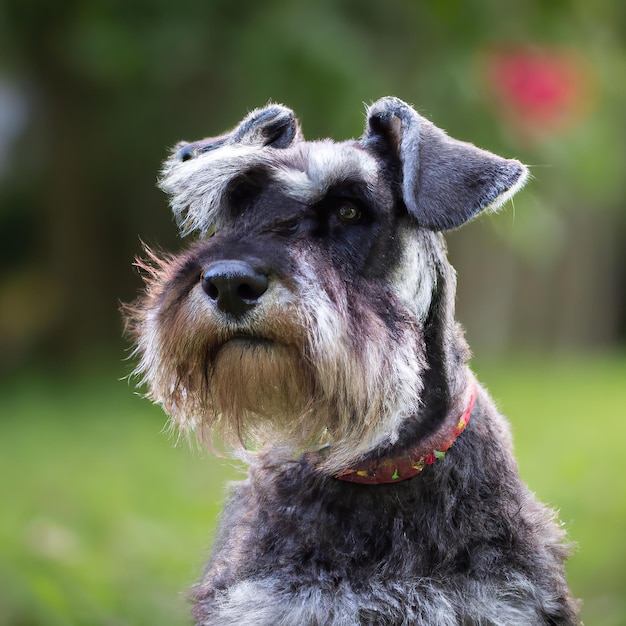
point(539, 90)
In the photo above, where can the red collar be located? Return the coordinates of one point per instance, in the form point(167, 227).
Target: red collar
point(414, 460)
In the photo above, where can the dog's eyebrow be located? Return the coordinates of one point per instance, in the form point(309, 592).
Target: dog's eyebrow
point(298, 186)
point(325, 167)
point(351, 189)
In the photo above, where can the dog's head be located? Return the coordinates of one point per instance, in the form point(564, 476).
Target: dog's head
point(317, 303)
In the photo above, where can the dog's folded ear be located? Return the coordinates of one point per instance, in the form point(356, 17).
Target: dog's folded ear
point(275, 126)
point(445, 182)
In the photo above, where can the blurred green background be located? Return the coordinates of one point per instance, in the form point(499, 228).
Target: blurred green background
point(105, 521)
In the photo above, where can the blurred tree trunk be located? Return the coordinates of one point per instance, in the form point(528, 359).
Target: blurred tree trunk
point(75, 234)
point(71, 284)
point(506, 300)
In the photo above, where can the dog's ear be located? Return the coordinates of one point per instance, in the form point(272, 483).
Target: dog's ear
point(275, 126)
point(445, 182)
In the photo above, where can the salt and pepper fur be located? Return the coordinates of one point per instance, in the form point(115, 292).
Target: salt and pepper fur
point(351, 354)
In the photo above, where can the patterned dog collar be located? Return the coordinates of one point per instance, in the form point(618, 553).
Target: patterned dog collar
point(413, 461)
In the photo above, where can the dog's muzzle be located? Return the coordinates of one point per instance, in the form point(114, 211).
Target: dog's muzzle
point(235, 287)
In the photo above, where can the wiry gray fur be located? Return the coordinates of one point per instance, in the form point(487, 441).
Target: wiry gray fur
point(348, 353)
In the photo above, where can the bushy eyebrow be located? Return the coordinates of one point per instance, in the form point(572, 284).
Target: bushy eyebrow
point(356, 191)
point(301, 187)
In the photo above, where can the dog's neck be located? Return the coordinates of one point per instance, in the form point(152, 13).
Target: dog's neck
point(393, 469)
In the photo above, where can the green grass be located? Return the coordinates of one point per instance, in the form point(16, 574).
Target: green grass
point(569, 428)
point(106, 522)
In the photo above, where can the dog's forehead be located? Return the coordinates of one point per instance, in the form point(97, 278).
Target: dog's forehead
point(307, 171)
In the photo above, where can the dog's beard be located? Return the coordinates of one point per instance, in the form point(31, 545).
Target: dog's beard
point(259, 391)
point(352, 390)
point(329, 370)
point(251, 393)
point(263, 393)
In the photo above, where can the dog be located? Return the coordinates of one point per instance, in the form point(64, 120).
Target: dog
point(310, 328)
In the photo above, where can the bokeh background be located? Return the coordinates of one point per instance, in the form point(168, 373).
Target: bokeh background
point(104, 520)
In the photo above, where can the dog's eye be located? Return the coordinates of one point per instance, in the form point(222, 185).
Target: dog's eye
point(348, 213)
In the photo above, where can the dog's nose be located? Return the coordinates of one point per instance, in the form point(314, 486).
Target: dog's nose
point(234, 286)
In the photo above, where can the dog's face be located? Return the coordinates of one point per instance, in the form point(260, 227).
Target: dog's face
point(317, 300)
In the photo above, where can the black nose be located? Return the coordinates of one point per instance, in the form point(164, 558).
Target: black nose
point(235, 286)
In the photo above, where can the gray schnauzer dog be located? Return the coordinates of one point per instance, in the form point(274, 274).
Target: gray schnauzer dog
point(311, 328)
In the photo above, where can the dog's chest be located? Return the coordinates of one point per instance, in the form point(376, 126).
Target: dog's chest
point(392, 601)
point(334, 553)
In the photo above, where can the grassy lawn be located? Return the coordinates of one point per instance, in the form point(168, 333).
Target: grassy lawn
point(106, 522)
